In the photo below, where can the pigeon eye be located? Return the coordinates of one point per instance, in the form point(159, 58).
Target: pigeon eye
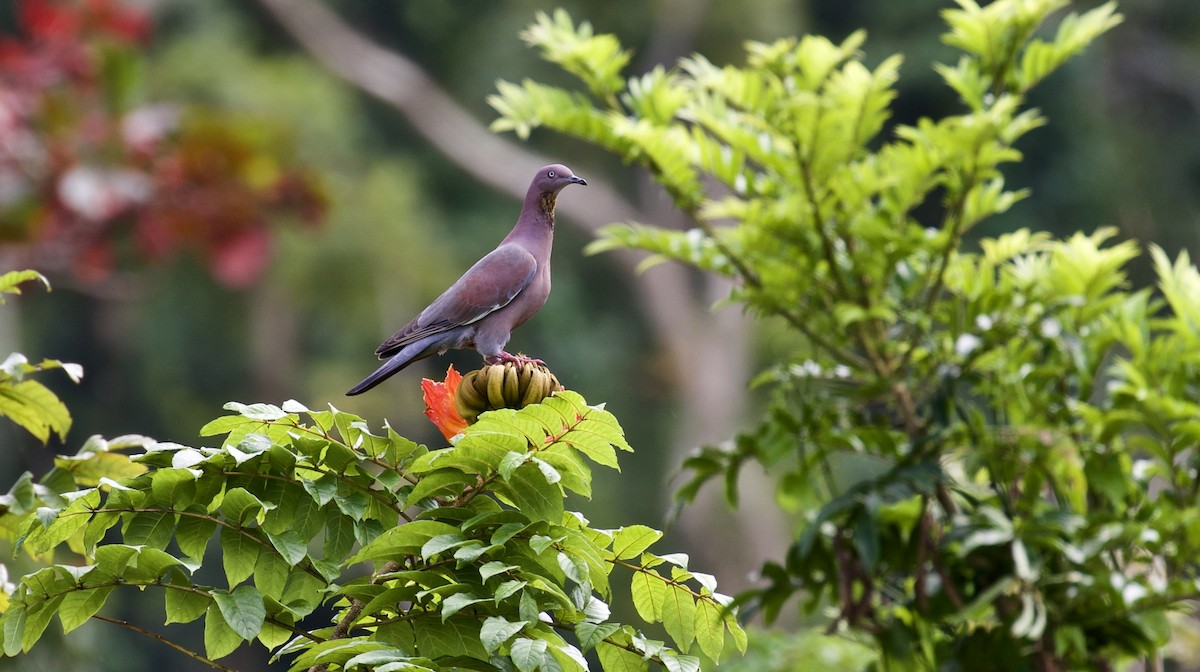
point(550, 174)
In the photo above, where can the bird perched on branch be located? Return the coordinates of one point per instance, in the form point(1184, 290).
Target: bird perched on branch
point(496, 295)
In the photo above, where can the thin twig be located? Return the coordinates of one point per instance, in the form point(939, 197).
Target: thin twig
point(607, 640)
point(922, 550)
point(192, 514)
point(673, 582)
point(163, 640)
point(342, 629)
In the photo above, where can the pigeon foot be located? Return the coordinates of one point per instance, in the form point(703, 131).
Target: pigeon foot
point(519, 360)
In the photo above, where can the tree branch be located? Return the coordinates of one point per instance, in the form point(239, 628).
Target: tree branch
point(342, 629)
point(399, 82)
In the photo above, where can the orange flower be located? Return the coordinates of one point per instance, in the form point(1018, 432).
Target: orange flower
point(439, 403)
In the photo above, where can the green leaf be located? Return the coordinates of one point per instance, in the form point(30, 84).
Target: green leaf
point(115, 558)
point(224, 425)
point(675, 663)
point(239, 554)
point(441, 544)
point(528, 608)
point(271, 574)
point(14, 630)
point(510, 462)
point(710, 628)
point(339, 538)
point(97, 527)
point(78, 606)
point(10, 282)
point(470, 552)
point(184, 605)
point(649, 595)
point(193, 534)
point(406, 539)
point(261, 412)
point(322, 490)
point(91, 468)
point(595, 59)
point(631, 541)
point(151, 528)
point(527, 654)
point(549, 472)
point(303, 593)
point(291, 546)
point(529, 492)
point(174, 487)
point(338, 457)
point(65, 523)
point(37, 617)
point(591, 634)
point(566, 657)
point(35, 408)
point(240, 507)
point(388, 660)
point(615, 659)
point(150, 564)
point(739, 635)
point(274, 636)
point(220, 640)
point(242, 609)
point(493, 568)
point(540, 542)
point(457, 636)
point(496, 631)
point(575, 473)
point(679, 616)
point(507, 589)
point(459, 601)
point(866, 540)
point(334, 652)
point(447, 482)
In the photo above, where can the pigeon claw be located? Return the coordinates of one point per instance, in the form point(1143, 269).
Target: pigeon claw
point(519, 360)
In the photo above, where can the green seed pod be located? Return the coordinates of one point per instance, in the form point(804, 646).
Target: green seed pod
point(507, 385)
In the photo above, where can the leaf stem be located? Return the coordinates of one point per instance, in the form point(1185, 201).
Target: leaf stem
point(673, 582)
point(192, 514)
point(554, 622)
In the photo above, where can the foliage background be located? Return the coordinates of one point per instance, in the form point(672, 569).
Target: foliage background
point(166, 346)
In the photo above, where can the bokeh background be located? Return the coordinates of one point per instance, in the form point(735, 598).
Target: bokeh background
point(226, 214)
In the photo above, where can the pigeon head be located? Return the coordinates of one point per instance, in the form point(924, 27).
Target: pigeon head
point(550, 179)
point(543, 192)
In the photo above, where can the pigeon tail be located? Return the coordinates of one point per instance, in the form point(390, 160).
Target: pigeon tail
point(413, 352)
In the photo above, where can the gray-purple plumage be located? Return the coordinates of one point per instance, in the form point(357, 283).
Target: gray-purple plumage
point(496, 295)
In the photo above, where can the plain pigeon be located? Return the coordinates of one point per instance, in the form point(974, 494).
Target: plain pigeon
point(496, 295)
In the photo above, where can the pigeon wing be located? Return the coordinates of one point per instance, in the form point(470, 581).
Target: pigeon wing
point(486, 287)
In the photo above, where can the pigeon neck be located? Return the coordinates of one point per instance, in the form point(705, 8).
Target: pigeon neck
point(541, 204)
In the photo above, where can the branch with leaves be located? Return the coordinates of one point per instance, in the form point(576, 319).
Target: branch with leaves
point(470, 553)
point(28, 402)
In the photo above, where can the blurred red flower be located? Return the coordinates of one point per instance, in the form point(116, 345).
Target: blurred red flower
point(439, 403)
point(94, 179)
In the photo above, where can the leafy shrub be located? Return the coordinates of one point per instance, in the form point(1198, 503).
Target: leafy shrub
point(993, 452)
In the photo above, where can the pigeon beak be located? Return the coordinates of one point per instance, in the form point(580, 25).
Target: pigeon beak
point(575, 179)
